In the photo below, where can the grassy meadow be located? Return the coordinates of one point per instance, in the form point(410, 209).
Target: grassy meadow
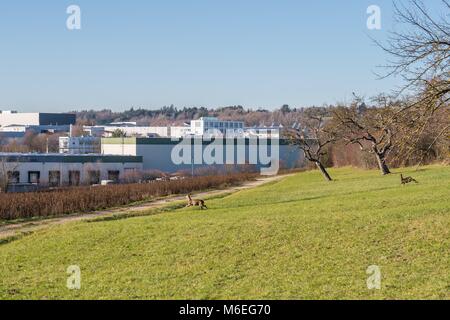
point(300, 238)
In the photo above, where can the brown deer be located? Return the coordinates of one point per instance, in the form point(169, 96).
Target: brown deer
point(407, 180)
point(195, 202)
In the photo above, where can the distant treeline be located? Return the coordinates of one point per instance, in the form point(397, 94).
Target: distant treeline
point(171, 115)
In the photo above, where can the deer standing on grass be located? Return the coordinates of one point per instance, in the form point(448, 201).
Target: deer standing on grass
point(195, 202)
point(407, 180)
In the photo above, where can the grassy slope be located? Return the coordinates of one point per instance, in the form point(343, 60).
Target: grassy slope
point(301, 238)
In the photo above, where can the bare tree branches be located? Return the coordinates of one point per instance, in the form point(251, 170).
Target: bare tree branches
point(314, 136)
point(420, 53)
point(373, 129)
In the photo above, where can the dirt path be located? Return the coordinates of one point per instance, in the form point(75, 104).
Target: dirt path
point(9, 231)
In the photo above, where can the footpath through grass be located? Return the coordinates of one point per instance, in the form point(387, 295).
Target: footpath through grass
point(301, 238)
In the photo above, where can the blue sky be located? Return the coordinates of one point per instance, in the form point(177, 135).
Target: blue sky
point(255, 53)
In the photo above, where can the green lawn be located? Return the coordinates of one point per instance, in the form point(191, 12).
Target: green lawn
point(301, 238)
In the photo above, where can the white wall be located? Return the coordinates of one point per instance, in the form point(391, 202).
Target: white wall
point(138, 131)
point(179, 132)
point(64, 169)
point(119, 149)
point(158, 156)
point(7, 119)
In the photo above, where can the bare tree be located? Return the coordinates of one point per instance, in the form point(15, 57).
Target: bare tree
point(6, 169)
point(372, 128)
point(3, 176)
point(313, 137)
point(420, 52)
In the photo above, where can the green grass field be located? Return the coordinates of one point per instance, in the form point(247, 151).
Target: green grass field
point(301, 238)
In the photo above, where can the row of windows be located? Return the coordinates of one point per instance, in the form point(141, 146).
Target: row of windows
point(54, 177)
point(220, 124)
point(230, 125)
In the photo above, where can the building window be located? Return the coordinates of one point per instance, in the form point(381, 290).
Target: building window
point(34, 177)
point(94, 177)
point(13, 177)
point(74, 178)
point(114, 176)
point(54, 178)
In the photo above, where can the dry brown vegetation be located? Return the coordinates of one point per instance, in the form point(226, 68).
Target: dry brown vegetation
point(88, 199)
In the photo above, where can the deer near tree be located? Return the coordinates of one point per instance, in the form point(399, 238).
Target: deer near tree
point(372, 128)
point(406, 180)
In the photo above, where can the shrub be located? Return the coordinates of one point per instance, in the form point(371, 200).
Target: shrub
point(88, 199)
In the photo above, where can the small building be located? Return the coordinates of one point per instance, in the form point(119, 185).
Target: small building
point(211, 125)
point(54, 170)
point(79, 145)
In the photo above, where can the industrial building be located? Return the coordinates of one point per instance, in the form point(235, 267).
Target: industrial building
point(8, 118)
point(131, 129)
point(163, 153)
point(206, 143)
point(205, 126)
point(55, 170)
point(13, 121)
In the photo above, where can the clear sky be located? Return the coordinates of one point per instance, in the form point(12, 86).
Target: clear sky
point(211, 53)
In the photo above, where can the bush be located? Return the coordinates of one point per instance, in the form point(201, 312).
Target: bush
point(88, 199)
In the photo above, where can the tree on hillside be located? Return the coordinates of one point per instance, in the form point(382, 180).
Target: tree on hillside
point(372, 128)
point(313, 137)
point(422, 137)
point(420, 52)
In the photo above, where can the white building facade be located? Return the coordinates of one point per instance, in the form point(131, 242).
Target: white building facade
point(56, 170)
point(128, 131)
point(11, 118)
point(79, 145)
point(215, 127)
point(205, 126)
point(13, 121)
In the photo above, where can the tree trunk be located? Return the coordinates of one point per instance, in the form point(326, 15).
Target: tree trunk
point(382, 163)
point(323, 170)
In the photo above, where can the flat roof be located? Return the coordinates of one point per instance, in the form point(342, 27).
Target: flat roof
point(196, 139)
point(68, 158)
point(16, 112)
